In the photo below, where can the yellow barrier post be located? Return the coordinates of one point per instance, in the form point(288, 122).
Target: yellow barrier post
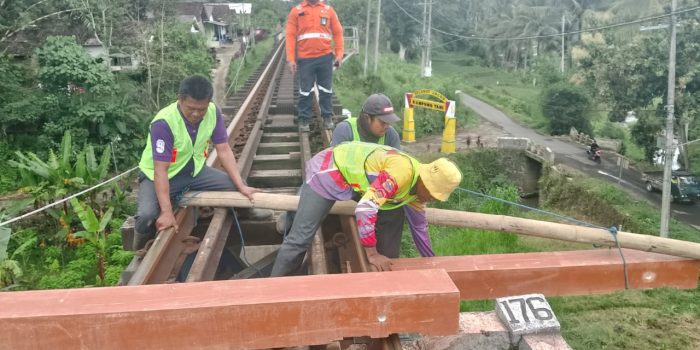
point(449, 134)
point(409, 131)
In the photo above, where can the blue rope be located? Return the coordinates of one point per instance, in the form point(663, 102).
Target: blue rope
point(240, 233)
point(559, 216)
point(612, 230)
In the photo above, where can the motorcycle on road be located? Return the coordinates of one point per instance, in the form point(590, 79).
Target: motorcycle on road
point(594, 155)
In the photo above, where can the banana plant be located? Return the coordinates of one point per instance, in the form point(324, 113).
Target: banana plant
point(94, 232)
point(10, 270)
point(59, 176)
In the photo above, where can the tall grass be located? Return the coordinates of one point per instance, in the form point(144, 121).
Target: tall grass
point(246, 65)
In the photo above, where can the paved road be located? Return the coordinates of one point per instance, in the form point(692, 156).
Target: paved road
point(574, 155)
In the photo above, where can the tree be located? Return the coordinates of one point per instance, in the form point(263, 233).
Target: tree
point(632, 75)
point(566, 106)
point(67, 68)
point(16, 16)
point(174, 54)
point(405, 33)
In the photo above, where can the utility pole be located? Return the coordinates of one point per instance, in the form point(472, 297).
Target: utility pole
point(376, 35)
point(369, 7)
point(563, 21)
point(252, 30)
point(669, 146)
point(424, 40)
point(428, 62)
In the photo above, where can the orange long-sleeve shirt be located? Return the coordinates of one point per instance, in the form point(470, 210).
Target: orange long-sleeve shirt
point(310, 30)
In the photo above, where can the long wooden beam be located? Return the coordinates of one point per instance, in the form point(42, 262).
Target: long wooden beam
point(558, 273)
point(234, 314)
point(501, 223)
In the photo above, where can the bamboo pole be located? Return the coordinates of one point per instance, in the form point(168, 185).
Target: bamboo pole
point(454, 218)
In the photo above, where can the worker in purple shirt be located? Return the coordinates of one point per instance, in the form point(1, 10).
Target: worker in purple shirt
point(174, 158)
point(374, 126)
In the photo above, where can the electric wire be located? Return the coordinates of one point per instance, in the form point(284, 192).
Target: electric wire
point(594, 29)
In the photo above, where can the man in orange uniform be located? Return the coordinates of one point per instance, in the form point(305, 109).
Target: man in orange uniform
point(311, 26)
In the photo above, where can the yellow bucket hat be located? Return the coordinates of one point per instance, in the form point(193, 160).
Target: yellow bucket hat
point(440, 177)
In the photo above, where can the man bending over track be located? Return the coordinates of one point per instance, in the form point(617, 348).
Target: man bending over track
point(385, 178)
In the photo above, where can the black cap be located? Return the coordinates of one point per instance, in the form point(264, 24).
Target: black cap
point(380, 106)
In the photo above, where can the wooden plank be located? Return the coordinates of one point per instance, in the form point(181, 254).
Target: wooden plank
point(276, 157)
point(207, 260)
point(261, 174)
point(278, 144)
point(558, 273)
point(501, 223)
point(234, 314)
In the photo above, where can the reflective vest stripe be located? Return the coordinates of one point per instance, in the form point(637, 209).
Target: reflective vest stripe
point(350, 159)
point(183, 147)
point(305, 36)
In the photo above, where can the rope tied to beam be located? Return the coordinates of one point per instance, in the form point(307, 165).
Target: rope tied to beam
point(612, 230)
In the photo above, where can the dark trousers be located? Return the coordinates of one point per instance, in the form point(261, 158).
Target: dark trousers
point(148, 210)
point(318, 70)
point(310, 214)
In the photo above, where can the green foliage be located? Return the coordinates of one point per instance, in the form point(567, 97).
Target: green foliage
point(547, 72)
point(12, 210)
point(10, 273)
point(644, 134)
point(242, 68)
point(60, 176)
point(66, 67)
point(611, 131)
point(395, 79)
point(565, 106)
point(70, 91)
point(94, 232)
point(19, 105)
point(175, 53)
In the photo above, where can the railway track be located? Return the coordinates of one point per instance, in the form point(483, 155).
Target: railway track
point(212, 244)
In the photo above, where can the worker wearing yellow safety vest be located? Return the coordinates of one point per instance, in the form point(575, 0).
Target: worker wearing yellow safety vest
point(173, 160)
point(374, 125)
point(385, 178)
point(312, 28)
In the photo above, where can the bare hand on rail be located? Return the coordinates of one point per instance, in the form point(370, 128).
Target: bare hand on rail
point(380, 262)
point(165, 221)
point(248, 192)
point(292, 67)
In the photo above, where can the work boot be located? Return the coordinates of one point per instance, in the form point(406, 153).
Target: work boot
point(304, 125)
point(328, 123)
point(140, 240)
point(254, 214)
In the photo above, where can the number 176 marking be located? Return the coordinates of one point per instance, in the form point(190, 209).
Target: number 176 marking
point(540, 313)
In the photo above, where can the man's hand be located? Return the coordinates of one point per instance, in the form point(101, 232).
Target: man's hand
point(380, 262)
point(338, 62)
point(292, 65)
point(165, 221)
point(248, 192)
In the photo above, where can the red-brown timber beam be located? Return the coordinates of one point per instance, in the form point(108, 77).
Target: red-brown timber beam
point(558, 273)
point(234, 314)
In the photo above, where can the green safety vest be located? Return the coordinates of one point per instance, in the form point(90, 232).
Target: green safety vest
point(183, 149)
point(356, 134)
point(350, 159)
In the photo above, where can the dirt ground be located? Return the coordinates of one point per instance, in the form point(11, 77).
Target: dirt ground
point(487, 132)
point(224, 55)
